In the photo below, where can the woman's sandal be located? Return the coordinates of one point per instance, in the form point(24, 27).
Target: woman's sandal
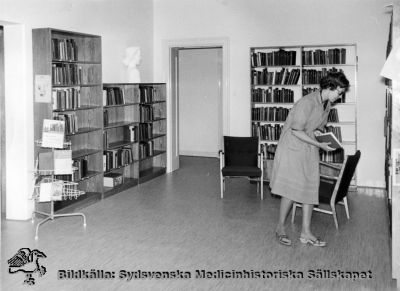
point(283, 239)
point(316, 243)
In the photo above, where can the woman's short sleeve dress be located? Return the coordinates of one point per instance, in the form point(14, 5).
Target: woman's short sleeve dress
point(295, 174)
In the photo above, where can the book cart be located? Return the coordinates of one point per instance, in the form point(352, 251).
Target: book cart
point(57, 190)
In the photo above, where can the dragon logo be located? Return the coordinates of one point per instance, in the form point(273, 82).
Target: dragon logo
point(27, 261)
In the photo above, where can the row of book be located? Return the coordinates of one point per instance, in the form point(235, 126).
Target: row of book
point(150, 94)
point(283, 57)
point(336, 130)
point(145, 131)
point(269, 150)
point(117, 158)
point(311, 76)
point(336, 156)
point(106, 121)
point(283, 77)
point(280, 57)
point(146, 149)
point(146, 113)
point(82, 169)
point(279, 114)
point(66, 74)
point(333, 115)
point(66, 98)
point(63, 49)
point(267, 131)
point(70, 121)
point(269, 95)
point(331, 56)
point(113, 96)
point(269, 113)
point(130, 134)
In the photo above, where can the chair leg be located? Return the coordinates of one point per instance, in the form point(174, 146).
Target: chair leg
point(262, 188)
point(334, 215)
point(294, 207)
point(346, 207)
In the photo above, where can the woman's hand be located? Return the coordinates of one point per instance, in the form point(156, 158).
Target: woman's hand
point(325, 146)
point(317, 133)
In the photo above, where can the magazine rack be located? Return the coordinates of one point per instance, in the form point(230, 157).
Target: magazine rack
point(62, 190)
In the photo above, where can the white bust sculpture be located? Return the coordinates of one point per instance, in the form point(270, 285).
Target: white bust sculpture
point(131, 61)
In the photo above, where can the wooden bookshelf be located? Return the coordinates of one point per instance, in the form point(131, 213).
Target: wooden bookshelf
point(152, 130)
point(71, 62)
point(121, 134)
point(280, 76)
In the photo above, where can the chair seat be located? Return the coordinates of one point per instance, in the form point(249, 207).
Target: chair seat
point(241, 171)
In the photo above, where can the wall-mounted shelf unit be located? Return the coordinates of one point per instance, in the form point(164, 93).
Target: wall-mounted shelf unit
point(280, 76)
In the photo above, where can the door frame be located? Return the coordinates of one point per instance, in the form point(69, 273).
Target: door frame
point(2, 126)
point(169, 47)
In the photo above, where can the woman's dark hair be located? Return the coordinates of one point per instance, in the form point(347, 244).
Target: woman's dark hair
point(334, 79)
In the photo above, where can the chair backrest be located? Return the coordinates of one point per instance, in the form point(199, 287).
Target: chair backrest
point(241, 151)
point(346, 175)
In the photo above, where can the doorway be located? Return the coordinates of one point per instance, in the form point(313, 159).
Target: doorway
point(171, 58)
point(199, 101)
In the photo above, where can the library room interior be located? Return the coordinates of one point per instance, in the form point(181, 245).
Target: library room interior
point(123, 128)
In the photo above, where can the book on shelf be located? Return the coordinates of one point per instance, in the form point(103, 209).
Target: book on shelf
point(330, 138)
point(53, 133)
point(113, 179)
point(46, 161)
point(63, 162)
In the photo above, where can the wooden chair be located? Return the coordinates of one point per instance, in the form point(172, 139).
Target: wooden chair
point(333, 188)
point(241, 157)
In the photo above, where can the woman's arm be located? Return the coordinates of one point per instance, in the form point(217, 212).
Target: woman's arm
point(300, 134)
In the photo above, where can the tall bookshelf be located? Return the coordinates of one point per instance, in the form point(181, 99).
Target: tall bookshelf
point(67, 73)
point(392, 145)
point(134, 135)
point(280, 76)
point(120, 135)
point(152, 130)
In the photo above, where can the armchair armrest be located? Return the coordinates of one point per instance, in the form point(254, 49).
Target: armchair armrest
point(221, 159)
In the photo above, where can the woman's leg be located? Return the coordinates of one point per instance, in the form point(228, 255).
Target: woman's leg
point(286, 205)
point(306, 227)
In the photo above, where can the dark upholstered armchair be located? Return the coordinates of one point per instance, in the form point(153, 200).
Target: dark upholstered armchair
point(241, 157)
point(333, 188)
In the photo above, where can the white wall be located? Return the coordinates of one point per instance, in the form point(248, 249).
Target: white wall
point(288, 22)
point(121, 23)
point(200, 77)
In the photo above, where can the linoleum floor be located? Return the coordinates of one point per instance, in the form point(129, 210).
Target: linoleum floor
point(177, 224)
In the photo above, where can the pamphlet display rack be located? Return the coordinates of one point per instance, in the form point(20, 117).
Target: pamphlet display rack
point(58, 190)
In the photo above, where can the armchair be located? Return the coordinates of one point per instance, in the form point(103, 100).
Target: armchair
point(241, 157)
point(333, 188)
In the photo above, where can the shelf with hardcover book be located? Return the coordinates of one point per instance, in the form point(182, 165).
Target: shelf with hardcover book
point(120, 136)
point(73, 62)
point(280, 76)
point(152, 131)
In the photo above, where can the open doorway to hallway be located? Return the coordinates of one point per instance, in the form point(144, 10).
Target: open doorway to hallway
point(199, 101)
